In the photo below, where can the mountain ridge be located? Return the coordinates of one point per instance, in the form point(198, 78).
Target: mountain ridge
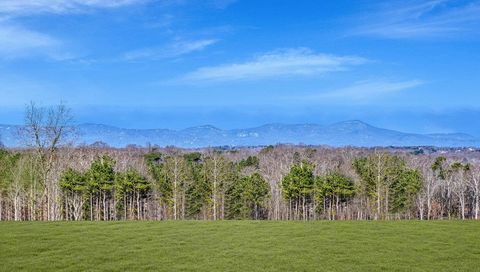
point(346, 133)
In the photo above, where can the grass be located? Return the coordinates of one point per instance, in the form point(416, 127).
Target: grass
point(240, 246)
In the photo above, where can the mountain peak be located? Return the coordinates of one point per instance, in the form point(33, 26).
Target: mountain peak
point(354, 123)
point(211, 127)
point(350, 125)
point(203, 127)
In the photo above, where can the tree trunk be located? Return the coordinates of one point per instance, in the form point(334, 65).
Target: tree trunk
point(214, 196)
point(91, 207)
point(125, 206)
point(104, 206)
point(175, 174)
point(476, 205)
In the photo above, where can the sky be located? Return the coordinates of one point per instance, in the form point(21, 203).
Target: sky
point(412, 66)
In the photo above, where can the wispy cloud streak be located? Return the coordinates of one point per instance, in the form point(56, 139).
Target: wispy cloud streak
point(16, 41)
point(409, 19)
point(289, 62)
point(173, 50)
point(360, 92)
point(25, 7)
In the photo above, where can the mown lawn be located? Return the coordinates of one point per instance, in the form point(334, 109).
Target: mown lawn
point(240, 246)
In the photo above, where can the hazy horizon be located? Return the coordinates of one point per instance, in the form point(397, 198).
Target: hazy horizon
point(286, 124)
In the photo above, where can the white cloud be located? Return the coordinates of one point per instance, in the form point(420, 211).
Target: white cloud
point(176, 49)
point(290, 62)
point(369, 89)
point(16, 41)
point(361, 92)
point(422, 19)
point(25, 7)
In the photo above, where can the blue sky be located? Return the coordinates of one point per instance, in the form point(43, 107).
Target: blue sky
point(413, 66)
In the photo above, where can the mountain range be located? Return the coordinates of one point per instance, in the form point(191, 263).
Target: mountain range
point(348, 133)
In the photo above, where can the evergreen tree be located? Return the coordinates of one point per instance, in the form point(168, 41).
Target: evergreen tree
point(131, 190)
point(405, 189)
point(247, 197)
point(220, 175)
point(251, 161)
point(101, 181)
point(334, 190)
point(8, 164)
point(298, 189)
point(75, 188)
point(387, 181)
point(198, 192)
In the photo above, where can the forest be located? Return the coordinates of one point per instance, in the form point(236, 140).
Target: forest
point(51, 178)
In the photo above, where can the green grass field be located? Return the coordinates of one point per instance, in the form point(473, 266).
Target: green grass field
point(240, 246)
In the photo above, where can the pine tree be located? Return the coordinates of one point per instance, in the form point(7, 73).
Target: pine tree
point(75, 188)
point(101, 181)
point(298, 189)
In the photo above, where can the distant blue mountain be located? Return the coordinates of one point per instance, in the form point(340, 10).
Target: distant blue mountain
point(348, 133)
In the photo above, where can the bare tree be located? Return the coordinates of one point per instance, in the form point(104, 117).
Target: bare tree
point(46, 130)
point(203, 190)
point(429, 188)
point(474, 184)
point(460, 185)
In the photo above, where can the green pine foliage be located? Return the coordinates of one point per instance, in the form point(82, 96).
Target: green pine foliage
point(298, 188)
point(246, 198)
point(333, 192)
point(8, 163)
point(250, 161)
point(387, 183)
point(215, 185)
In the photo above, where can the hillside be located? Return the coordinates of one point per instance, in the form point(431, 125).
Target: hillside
point(348, 133)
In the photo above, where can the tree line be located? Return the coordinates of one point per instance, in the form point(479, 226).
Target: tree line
point(51, 179)
point(214, 185)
